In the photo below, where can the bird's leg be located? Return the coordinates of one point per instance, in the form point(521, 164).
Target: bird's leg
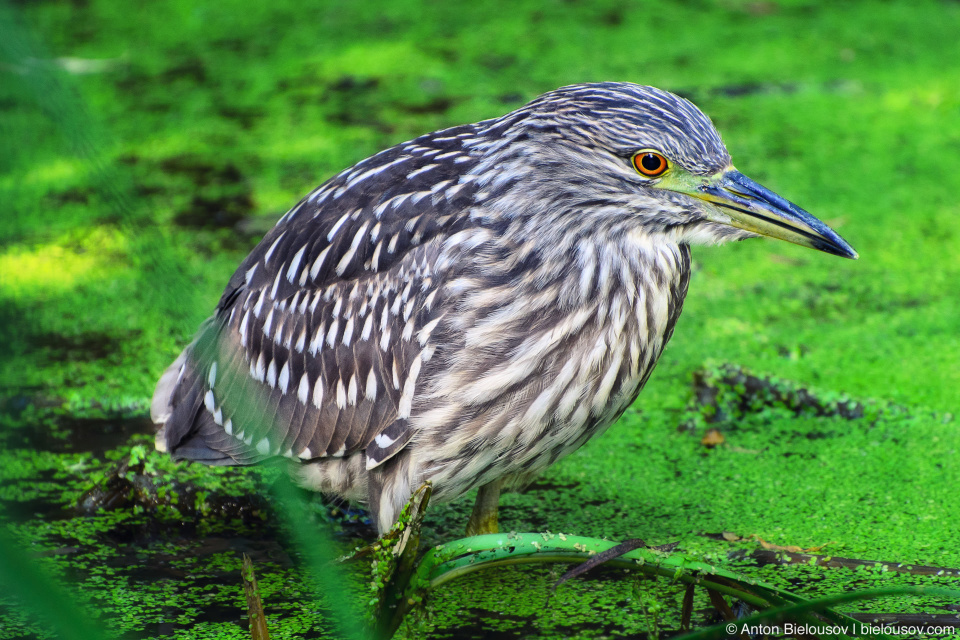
point(484, 517)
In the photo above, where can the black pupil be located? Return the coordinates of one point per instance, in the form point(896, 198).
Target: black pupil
point(651, 162)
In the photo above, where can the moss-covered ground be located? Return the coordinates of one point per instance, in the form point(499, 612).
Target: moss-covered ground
point(147, 146)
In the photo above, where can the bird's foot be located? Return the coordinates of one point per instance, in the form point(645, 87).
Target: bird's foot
point(486, 523)
point(483, 520)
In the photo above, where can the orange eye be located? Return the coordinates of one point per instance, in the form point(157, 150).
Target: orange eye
point(650, 164)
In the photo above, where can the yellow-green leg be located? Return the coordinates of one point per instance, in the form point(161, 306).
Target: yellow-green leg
point(484, 517)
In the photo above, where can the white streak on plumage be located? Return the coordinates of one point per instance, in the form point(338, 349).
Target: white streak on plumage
point(272, 374)
point(367, 327)
point(377, 169)
point(409, 386)
point(336, 227)
point(348, 256)
point(370, 391)
point(269, 253)
point(318, 264)
point(303, 389)
point(295, 264)
point(332, 333)
point(259, 370)
point(209, 402)
point(424, 169)
point(318, 393)
point(383, 441)
point(268, 323)
point(257, 308)
point(352, 390)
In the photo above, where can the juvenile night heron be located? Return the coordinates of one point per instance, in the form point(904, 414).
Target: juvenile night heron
point(470, 306)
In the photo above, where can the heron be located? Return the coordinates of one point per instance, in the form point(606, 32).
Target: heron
point(471, 306)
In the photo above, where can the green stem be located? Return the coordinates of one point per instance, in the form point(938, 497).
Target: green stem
point(544, 557)
point(448, 562)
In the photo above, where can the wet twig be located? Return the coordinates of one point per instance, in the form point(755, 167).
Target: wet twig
point(258, 621)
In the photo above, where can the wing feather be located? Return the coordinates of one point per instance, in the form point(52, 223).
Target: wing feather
point(315, 336)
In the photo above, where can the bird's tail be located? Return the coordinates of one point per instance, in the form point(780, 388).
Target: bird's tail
point(185, 429)
point(161, 406)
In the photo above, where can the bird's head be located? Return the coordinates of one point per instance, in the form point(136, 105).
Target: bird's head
point(628, 156)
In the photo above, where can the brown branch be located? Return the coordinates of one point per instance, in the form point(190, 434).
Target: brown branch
point(686, 612)
point(605, 556)
point(258, 621)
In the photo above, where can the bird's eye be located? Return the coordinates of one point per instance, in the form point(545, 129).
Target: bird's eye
point(650, 163)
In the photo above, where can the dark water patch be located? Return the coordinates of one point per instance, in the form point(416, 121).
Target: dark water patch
point(184, 67)
point(222, 211)
point(246, 117)
point(436, 105)
point(753, 88)
point(355, 101)
point(203, 172)
point(76, 434)
point(97, 435)
point(167, 629)
point(546, 485)
point(76, 195)
point(88, 346)
point(602, 574)
point(221, 198)
point(353, 84)
point(612, 17)
point(351, 521)
point(802, 456)
point(816, 435)
point(24, 397)
point(45, 508)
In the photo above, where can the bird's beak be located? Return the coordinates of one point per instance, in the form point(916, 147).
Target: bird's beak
point(740, 202)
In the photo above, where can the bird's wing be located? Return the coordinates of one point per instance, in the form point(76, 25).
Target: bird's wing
point(316, 344)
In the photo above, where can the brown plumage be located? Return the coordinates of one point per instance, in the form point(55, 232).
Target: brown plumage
point(470, 306)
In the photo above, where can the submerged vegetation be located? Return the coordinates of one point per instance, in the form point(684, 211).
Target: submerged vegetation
point(800, 430)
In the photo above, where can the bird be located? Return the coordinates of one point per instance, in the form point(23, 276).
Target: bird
point(471, 306)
